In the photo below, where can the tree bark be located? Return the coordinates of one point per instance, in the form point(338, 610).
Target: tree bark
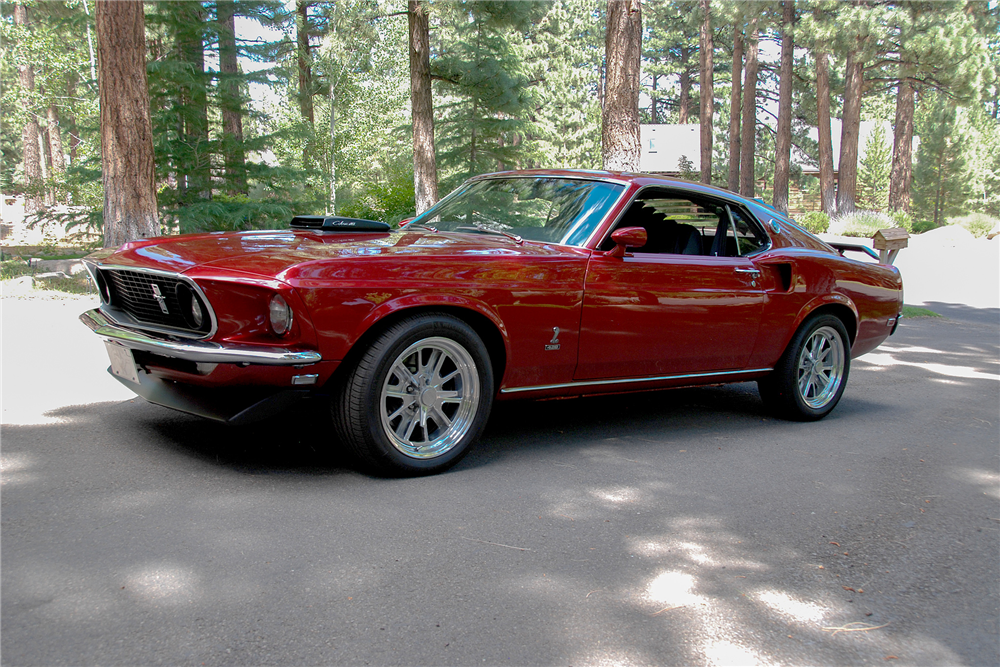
point(735, 110)
point(71, 128)
point(707, 94)
point(623, 53)
point(425, 179)
point(827, 194)
point(229, 98)
point(56, 148)
point(748, 135)
point(902, 148)
point(847, 180)
point(684, 102)
point(30, 152)
point(783, 141)
point(126, 130)
point(304, 60)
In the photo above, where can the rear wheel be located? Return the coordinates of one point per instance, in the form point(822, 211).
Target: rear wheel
point(812, 374)
point(418, 398)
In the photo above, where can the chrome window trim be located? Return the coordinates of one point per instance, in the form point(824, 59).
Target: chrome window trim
point(122, 318)
point(722, 199)
point(599, 383)
point(598, 177)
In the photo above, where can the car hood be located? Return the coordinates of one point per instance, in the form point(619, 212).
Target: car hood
point(287, 254)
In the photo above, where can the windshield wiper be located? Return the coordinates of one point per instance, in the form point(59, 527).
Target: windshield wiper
point(486, 230)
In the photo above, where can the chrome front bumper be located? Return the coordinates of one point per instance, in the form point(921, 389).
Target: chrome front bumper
point(197, 351)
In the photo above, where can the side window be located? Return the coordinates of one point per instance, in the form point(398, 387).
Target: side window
point(743, 237)
point(680, 225)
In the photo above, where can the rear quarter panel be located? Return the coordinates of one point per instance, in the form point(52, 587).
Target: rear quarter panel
point(800, 280)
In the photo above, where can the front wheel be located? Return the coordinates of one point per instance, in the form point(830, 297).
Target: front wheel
point(811, 375)
point(418, 398)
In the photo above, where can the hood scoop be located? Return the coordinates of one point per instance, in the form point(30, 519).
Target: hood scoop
point(326, 223)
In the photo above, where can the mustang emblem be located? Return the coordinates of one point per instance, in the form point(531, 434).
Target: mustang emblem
point(160, 299)
point(554, 343)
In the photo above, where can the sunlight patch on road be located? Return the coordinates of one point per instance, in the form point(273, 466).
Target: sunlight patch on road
point(163, 584)
point(622, 494)
point(883, 360)
point(727, 654)
point(673, 589)
point(14, 469)
point(792, 608)
point(990, 481)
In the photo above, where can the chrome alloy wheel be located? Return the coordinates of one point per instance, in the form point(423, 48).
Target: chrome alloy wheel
point(429, 398)
point(821, 367)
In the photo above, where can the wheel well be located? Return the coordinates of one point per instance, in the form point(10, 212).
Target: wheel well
point(844, 314)
point(484, 328)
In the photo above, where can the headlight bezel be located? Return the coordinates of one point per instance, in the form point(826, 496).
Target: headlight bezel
point(280, 315)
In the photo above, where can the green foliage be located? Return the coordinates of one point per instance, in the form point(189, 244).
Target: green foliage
point(483, 98)
point(861, 224)
point(901, 219)
point(873, 179)
point(911, 312)
point(816, 222)
point(686, 168)
point(979, 224)
point(942, 182)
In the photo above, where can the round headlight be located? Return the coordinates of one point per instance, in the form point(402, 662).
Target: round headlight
point(191, 307)
point(281, 315)
point(197, 314)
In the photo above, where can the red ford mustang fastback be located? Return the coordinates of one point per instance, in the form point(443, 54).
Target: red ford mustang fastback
point(517, 285)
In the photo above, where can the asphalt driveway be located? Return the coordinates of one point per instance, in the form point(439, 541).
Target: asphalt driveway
point(679, 527)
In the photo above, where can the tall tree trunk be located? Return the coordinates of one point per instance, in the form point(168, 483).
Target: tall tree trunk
point(735, 109)
point(847, 180)
point(126, 130)
point(653, 111)
point(902, 147)
point(707, 95)
point(31, 155)
point(783, 141)
point(229, 99)
point(748, 135)
point(425, 178)
point(305, 60)
point(684, 103)
point(623, 53)
point(827, 194)
point(56, 149)
point(71, 128)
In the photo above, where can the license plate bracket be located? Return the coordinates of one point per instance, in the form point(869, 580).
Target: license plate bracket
point(122, 362)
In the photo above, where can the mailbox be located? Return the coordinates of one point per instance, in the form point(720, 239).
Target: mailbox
point(889, 242)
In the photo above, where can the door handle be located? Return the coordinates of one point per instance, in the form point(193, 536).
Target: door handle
point(751, 272)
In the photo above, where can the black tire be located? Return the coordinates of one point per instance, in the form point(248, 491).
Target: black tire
point(809, 379)
point(418, 398)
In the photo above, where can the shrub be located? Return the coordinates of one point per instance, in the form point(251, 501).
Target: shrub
point(861, 224)
point(978, 224)
point(816, 222)
point(902, 219)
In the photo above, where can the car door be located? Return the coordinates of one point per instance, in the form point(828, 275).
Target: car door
point(673, 308)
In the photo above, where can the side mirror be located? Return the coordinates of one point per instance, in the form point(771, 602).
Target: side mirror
point(627, 237)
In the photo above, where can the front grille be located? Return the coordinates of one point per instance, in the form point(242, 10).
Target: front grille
point(141, 295)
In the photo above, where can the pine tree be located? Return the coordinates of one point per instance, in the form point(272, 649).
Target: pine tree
point(941, 178)
point(564, 56)
point(873, 181)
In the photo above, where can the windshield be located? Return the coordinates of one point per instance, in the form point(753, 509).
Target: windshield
point(553, 210)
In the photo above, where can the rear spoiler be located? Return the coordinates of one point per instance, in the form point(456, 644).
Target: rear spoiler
point(853, 247)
